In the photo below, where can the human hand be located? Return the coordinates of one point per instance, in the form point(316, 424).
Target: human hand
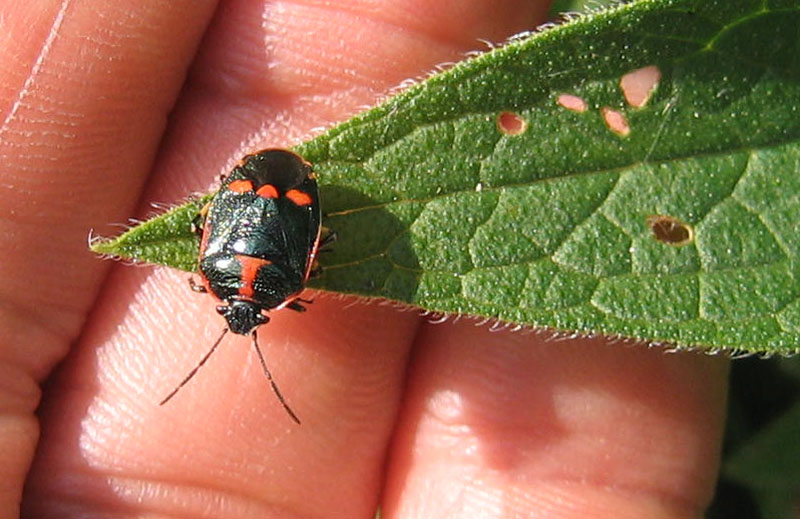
point(427, 420)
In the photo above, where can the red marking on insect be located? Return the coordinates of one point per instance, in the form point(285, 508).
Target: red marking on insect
point(250, 266)
point(267, 191)
point(299, 197)
point(240, 186)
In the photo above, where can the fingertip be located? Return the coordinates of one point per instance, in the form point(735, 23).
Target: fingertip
point(511, 420)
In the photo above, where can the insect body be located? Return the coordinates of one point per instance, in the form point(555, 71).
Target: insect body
point(260, 237)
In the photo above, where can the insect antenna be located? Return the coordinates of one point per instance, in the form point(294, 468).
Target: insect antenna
point(271, 381)
point(199, 365)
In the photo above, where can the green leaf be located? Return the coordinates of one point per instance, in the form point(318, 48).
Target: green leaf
point(167, 239)
point(678, 225)
point(558, 7)
point(769, 465)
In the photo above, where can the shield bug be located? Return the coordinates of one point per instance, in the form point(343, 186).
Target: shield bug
point(260, 235)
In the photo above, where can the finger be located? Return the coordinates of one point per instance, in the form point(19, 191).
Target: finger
point(86, 87)
point(224, 446)
point(518, 425)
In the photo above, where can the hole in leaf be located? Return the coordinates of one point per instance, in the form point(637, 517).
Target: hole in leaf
point(669, 230)
point(571, 102)
point(638, 85)
point(510, 123)
point(616, 121)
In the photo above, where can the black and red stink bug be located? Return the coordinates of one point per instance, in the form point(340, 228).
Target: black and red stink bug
point(260, 237)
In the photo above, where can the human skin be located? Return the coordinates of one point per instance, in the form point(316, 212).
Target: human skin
point(425, 420)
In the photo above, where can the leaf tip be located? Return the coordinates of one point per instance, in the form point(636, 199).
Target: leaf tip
point(99, 244)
